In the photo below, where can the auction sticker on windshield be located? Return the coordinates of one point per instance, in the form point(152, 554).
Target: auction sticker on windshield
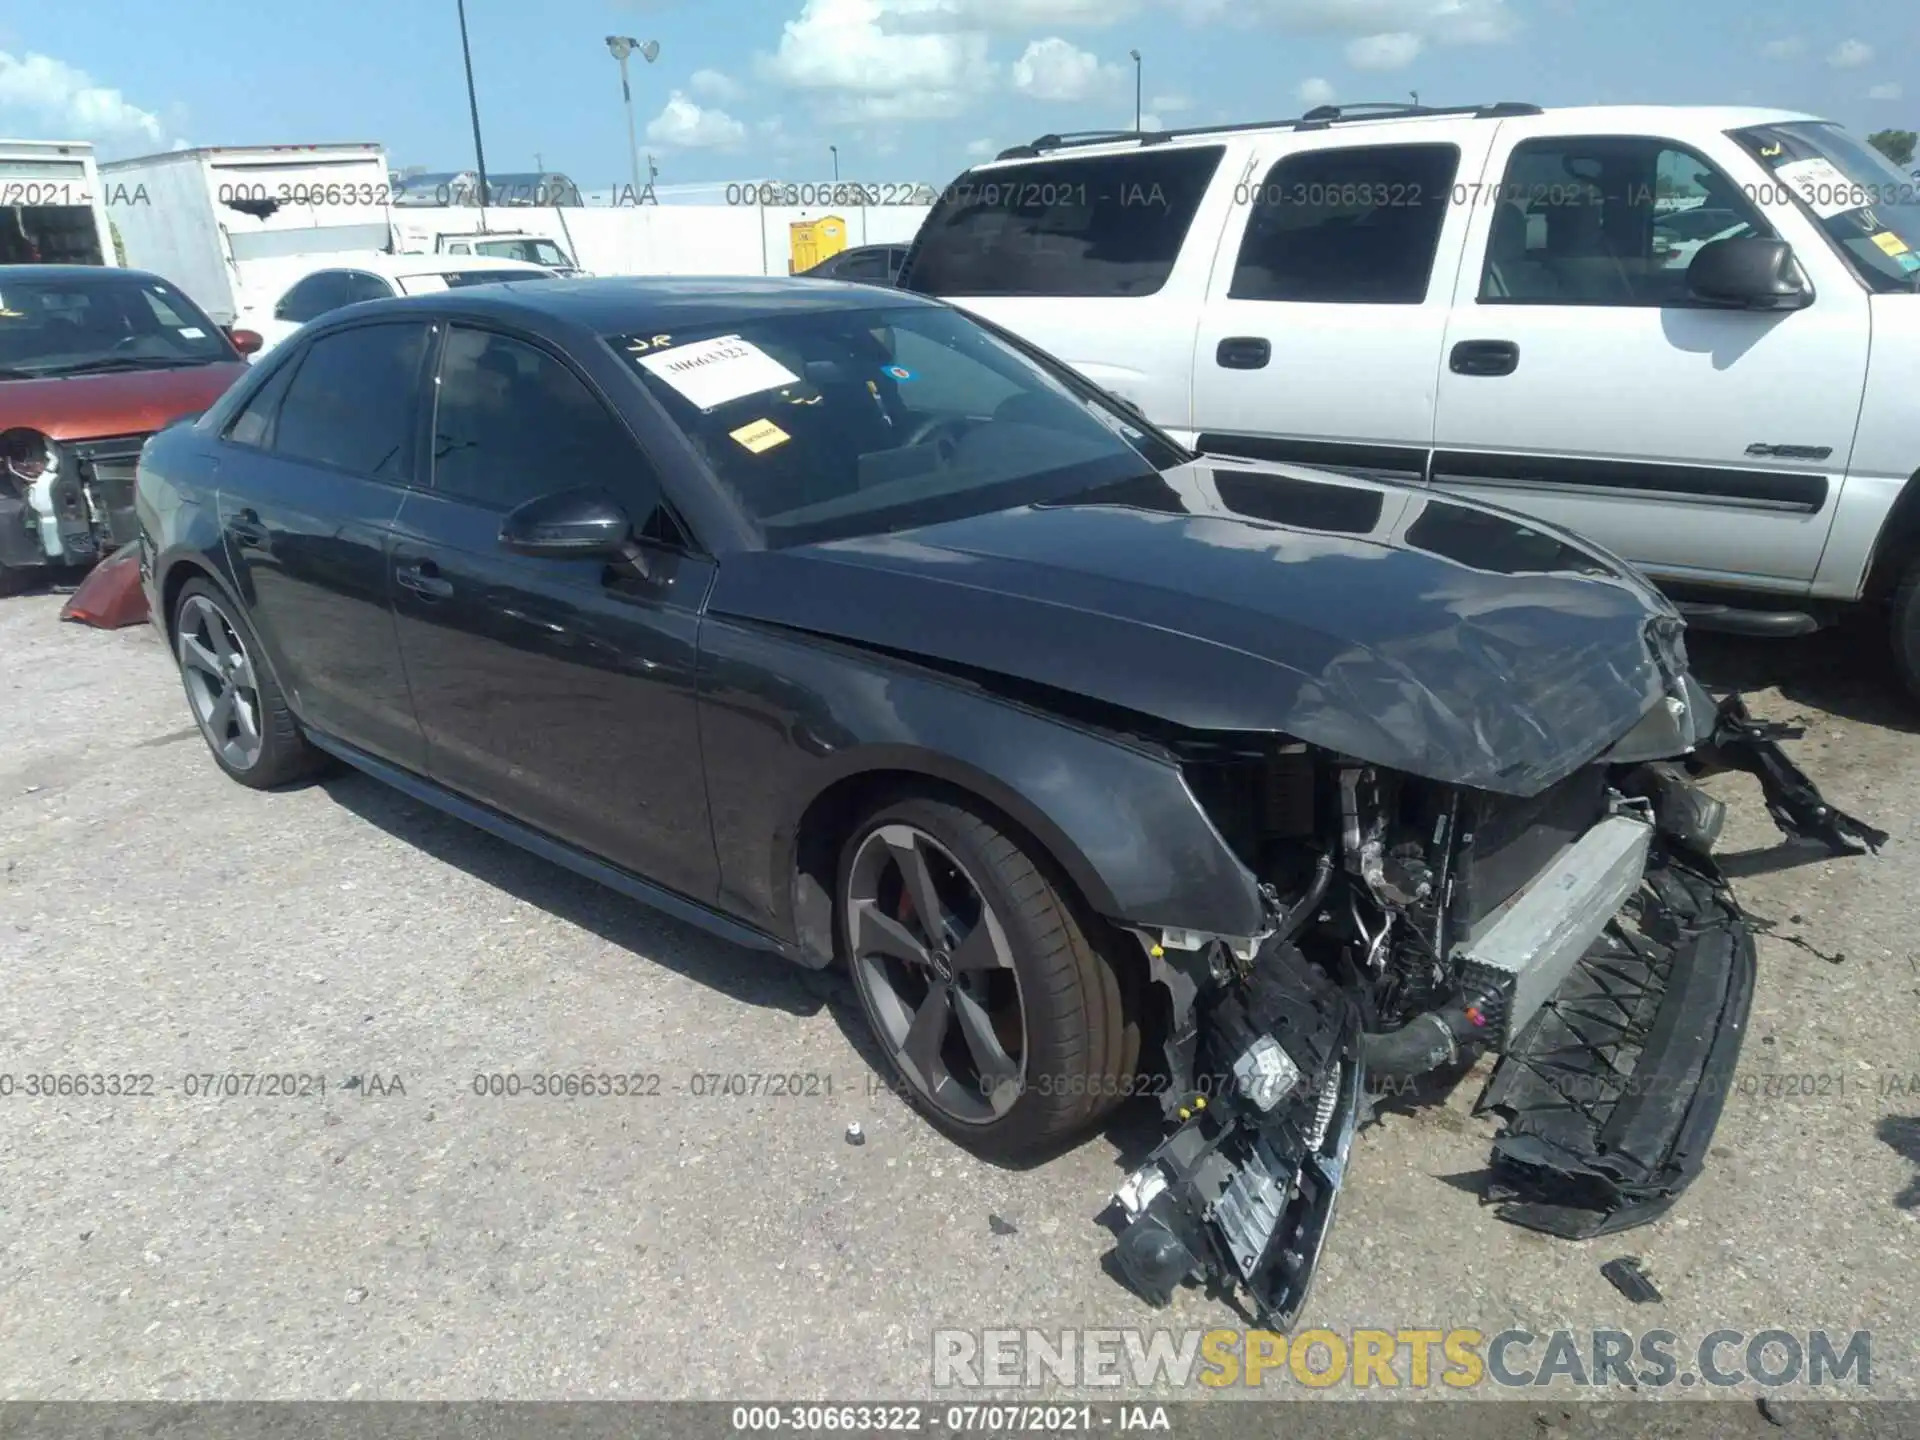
point(712, 372)
point(1826, 191)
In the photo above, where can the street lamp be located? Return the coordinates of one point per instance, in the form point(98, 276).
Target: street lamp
point(622, 46)
point(1136, 90)
point(1416, 96)
point(473, 107)
point(836, 163)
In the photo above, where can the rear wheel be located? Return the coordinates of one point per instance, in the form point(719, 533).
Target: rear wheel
point(1906, 629)
point(1007, 1026)
point(241, 713)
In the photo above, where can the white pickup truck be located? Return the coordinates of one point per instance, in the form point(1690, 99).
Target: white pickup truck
point(1690, 333)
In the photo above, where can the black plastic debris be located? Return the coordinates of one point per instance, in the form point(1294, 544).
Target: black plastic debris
point(1629, 1276)
point(1800, 811)
point(1001, 1227)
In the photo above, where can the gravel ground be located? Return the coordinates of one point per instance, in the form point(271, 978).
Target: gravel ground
point(402, 1237)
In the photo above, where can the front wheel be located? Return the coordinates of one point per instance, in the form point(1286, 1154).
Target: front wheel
point(1008, 1027)
point(1905, 621)
point(241, 713)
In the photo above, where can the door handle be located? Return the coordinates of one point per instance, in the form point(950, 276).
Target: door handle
point(247, 531)
point(423, 578)
point(1242, 352)
point(1484, 357)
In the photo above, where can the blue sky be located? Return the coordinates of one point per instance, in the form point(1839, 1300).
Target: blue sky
point(907, 89)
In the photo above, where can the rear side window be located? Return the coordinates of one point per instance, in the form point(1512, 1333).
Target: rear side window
point(350, 404)
point(1107, 225)
point(1355, 226)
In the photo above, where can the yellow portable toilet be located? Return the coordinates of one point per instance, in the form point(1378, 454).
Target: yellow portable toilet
point(815, 240)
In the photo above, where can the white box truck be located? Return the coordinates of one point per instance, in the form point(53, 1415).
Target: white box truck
point(207, 219)
point(52, 210)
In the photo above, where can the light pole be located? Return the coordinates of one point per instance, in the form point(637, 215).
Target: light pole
point(473, 107)
point(623, 46)
point(836, 163)
point(1136, 90)
point(1416, 96)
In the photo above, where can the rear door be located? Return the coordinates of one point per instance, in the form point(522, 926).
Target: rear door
point(1584, 385)
point(1320, 339)
point(309, 483)
point(560, 692)
point(1087, 257)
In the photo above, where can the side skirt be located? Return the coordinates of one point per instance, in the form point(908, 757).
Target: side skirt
point(535, 842)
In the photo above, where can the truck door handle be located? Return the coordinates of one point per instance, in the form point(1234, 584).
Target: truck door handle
point(1484, 357)
point(247, 531)
point(1242, 352)
point(423, 578)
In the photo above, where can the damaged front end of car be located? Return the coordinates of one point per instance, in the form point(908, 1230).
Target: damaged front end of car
point(63, 505)
point(1582, 934)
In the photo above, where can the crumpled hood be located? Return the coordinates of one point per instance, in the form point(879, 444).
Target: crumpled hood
point(1429, 635)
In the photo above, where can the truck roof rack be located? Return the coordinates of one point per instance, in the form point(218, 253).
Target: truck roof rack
point(1318, 118)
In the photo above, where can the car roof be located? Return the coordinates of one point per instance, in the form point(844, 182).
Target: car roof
point(634, 304)
point(1391, 119)
point(437, 264)
point(73, 272)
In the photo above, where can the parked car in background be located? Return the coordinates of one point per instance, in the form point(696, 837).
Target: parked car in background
point(870, 264)
point(93, 360)
point(839, 624)
point(378, 277)
point(1484, 301)
point(533, 249)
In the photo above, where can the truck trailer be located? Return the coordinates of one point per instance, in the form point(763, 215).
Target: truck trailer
point(52, 209)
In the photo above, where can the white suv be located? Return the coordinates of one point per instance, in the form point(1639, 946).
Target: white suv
point(1506, 302)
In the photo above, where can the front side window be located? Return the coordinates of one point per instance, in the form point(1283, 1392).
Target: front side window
point(540, 252)
point(513, 424)
point(315, 296)
point(1866, 205)
point(99, 322)
point(1606, 220)
point(1355, 226)
point(826, 423)
point(350, 404)
point(1105, 225)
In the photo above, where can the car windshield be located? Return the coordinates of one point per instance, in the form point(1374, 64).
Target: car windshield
point(101, 322)
point(540, 252)
point(825, 423)
point(1866, 204)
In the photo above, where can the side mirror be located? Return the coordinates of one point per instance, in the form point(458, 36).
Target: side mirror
point(1750, 272)
point(580, 524)
point(247, 342)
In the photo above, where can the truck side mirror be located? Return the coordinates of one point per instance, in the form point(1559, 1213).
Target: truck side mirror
point(1749, 272)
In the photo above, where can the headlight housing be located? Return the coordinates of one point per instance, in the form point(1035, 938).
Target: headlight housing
point(26, 456)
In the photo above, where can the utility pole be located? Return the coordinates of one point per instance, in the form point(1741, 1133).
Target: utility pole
point(1136, 90)
point(473, 107)
point(621, 47)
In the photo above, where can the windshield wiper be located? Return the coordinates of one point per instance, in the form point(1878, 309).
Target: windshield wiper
point(122, 362)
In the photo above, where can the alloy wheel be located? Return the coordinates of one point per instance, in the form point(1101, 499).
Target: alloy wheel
point(932, 961)
point(220, 682)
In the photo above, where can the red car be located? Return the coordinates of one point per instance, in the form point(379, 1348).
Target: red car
point(93, 360)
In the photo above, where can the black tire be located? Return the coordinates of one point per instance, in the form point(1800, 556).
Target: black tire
point(1078, 997)
point(283, 754)
point(1904, 622)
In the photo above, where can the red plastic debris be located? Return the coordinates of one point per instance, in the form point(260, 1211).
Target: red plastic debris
point(111, 598)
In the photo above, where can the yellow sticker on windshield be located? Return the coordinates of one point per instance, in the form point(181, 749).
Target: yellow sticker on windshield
point(1890, 242)
point(760, 435)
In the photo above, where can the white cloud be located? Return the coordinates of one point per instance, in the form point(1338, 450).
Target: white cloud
point(1785, 48)
point(712, 85)
point(1054, 69)
point(683, 125)
point(1151, 121)
point(981, 149)
point(1888, 91)
point(1445, 22)
point(1850, 55)
point(946, 17)
point(70, 106)
point(1394, 50)
point(1315, 91)
point(1171, 104)
point(841, 50)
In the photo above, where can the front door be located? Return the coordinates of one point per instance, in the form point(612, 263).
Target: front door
point(1582, 383)
point(1321, 334)
point(307, 498)
point(560, 692)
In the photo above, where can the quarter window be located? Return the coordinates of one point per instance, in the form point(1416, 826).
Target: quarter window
point(350, 404)
point(1346, 227)
point(1606, 220)
point(514, 424)
point(1107, 225)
